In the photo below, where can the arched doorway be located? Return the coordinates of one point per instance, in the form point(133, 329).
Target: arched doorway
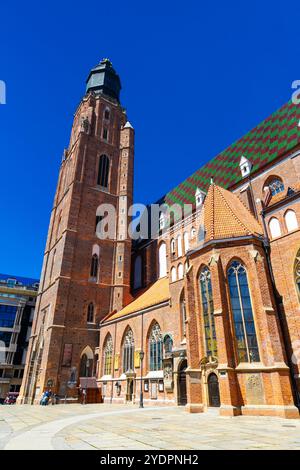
point(213, 391)
point(182, 397)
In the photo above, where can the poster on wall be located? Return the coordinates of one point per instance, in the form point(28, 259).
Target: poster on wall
point(153, 390)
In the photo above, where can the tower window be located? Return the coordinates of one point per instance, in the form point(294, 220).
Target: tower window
point(94, 266)
point(90, 313)
point(105, 133)
point(103, 172)
point(106, 114)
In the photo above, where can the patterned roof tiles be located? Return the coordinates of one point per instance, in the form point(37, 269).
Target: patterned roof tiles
point(272, 138)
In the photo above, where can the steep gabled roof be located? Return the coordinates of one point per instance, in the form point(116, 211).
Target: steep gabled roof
point(225, 216)
point(272, 138)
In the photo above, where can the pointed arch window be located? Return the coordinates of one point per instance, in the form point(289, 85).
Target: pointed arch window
point(186, 242)
point(162, 260)
point(94, 266)
point(103, 171)
point(245, 333)
point(90, 313)
point(173, 274)
point(168, 344)
point(179, 246)
point(208, 313)
point(107, 356)
point(155, 348)
point(183, 316)
point(128, 352)
point(137, 272)
point(297, 273)
point(291, 220)
point(180, 271)
point(274, 227)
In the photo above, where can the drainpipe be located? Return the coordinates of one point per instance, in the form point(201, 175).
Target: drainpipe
point(266, 244)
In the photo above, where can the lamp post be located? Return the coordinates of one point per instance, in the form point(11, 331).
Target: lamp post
point(142, 354)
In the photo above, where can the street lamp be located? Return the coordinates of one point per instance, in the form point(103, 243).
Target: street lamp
point(142, 355)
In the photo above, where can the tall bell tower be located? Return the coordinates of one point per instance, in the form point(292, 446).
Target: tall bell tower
point(83, 277)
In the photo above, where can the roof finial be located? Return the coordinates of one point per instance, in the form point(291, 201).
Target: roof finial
point(211, 180)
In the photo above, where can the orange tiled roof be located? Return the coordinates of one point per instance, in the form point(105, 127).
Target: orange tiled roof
point(154, 295)
point(225, 216)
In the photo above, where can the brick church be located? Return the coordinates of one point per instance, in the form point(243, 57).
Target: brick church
point(203, 313)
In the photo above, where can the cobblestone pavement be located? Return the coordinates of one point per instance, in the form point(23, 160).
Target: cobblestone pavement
point(127, 427)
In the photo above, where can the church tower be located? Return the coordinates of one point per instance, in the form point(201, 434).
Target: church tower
point(83, 277)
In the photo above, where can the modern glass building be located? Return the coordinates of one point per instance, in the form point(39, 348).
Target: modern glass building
point(17, 303)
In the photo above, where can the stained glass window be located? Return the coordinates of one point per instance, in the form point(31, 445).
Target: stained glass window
point(156, 348)
point(208, 313)
point(108, 351)
point(128, 351)
point(247, 347)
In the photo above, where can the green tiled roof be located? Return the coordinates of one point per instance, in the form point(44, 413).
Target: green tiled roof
point(272, 138)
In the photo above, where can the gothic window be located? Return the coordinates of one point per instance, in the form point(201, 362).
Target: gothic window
point(173, 274)
point(168, 344)
point(186, 242)
point(106, 114)
point(137, 272)
point(162, 260)
point(179, 246)
point(94, 266)
point(208, 313)
point(274, 227)
point(297, 272)
point(183, 314)
point(128, 351)
point(173, 247)
point(245, 334)
point(105, 133)
point(90, 313)
point(276, 186)
point(107, 359)
point(180, 271)
point(86, 366)
point(291, 220)
point(103, 171)
point(162, 221)
point(155, 348)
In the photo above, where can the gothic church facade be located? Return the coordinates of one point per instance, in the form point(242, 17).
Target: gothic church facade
point(206, 313)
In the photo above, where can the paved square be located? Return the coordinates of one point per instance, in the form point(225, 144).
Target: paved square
point(108, 427)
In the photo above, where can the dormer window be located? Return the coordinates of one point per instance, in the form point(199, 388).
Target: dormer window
point(245, 166)
point(276, 186)
point(199, 197)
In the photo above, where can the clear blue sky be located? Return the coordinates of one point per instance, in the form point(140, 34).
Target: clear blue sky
point(196, 76)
